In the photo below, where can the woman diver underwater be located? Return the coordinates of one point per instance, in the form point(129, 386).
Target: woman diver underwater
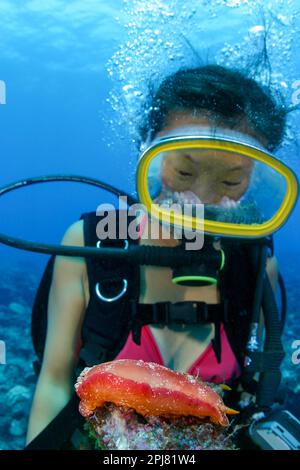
point(209, 100)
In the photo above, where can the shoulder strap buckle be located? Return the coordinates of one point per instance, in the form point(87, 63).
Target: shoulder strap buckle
point(180, 312)
point(186, 312)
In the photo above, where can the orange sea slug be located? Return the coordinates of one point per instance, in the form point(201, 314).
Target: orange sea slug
point(150, 389)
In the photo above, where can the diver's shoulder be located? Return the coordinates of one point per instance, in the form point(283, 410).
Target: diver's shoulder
point(74, 235)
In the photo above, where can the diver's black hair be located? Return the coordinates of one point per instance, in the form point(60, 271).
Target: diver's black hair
point(223, 94)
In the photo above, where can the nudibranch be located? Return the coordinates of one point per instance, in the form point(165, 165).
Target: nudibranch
point(150, 389)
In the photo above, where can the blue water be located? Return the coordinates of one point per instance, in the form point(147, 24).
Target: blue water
point(74, 74)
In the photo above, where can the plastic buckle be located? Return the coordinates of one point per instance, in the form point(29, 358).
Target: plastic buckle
point(183, 312)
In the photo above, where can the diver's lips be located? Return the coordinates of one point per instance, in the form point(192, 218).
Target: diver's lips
point(150, 389)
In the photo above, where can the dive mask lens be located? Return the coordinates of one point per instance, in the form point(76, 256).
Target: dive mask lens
point(217, 184)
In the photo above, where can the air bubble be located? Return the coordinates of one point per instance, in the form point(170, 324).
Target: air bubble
point(155, 44)
point(127, 87)
point(233, 3)
point(256, 29)
point(283, 19)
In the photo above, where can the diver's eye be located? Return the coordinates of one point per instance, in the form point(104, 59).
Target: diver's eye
point(231, 183)
point(184, 173)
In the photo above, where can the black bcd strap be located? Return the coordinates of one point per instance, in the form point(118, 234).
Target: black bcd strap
point(107, 322)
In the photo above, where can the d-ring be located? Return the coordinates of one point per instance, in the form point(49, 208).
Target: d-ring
point(111, 299)
point(126, 244)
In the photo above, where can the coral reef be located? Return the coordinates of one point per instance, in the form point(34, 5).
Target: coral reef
point(119, 428)
point(17, 379)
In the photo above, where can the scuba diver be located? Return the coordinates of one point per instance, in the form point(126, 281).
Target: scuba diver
point(206, 144)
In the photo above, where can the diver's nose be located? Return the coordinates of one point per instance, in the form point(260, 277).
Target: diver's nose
point(204, 190)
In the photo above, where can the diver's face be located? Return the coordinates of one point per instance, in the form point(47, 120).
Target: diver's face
point(214, 177)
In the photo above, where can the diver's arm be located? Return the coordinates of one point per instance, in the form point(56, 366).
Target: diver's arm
point(66, 309)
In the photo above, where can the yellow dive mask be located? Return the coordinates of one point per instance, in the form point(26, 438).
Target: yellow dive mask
point(217, 181)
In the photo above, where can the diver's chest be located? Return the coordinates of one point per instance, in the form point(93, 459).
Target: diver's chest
point(179, 346)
